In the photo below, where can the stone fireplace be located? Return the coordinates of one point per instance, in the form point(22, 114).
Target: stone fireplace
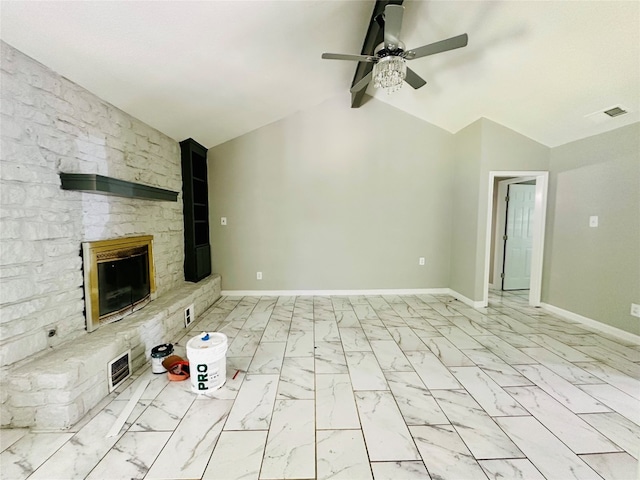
point(119, 278)
point(52, 371)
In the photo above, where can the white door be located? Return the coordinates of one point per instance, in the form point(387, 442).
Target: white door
point(518, 237)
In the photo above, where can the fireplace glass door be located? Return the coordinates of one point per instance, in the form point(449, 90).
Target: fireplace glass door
point(123, 282)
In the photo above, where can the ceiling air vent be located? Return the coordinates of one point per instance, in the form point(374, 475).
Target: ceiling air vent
point(615, 111)
point(607, 114)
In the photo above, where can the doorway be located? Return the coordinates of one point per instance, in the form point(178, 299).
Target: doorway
point(528, 259)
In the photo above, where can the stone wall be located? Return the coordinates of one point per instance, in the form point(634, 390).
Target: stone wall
point(51, 125)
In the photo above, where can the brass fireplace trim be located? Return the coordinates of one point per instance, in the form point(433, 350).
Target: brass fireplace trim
point(102, 250)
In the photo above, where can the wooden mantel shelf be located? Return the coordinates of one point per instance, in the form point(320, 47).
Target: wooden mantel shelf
point(92, 183)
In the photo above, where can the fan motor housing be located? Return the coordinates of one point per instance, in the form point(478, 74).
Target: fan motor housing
point(382, 52)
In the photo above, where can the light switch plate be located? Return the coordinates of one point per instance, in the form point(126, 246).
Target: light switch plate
point(593, 221)
point(223, 220)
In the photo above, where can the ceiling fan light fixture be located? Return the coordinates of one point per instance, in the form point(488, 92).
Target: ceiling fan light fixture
point(389, 72)
point(389, 57)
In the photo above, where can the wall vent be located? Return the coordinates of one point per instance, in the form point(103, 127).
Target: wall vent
point(615, 111)
point(118, 370)
point(188, 315)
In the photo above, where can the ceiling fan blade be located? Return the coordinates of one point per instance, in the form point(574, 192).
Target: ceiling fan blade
point(438, 47)
point(392, 26)
point(364, 81)
point(414, 79)
point(342, 56)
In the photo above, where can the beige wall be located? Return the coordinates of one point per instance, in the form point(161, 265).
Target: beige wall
point(502, 150)
point(480, 148)
point(467, 162)
point(595, 272)
point(333, 198)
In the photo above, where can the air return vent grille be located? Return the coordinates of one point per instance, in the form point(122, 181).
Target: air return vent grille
point(615, 111)
point(607, 114)
point(119, 370)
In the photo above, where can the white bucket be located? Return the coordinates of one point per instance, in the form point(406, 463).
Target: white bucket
point(207, 361)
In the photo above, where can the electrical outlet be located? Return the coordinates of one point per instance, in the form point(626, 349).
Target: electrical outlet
point(223, 220)
point(258, 275)
point(188, 315)
point(635, 310)
point(421, 261)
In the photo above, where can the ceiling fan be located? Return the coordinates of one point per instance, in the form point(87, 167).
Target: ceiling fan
point(389, 58)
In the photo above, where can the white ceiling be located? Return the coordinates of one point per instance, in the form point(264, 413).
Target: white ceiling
point(214, 70)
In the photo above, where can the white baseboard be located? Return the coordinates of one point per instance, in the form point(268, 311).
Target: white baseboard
point(291, 293)
point(383, 291)
point(465, 300)
point(603, 327)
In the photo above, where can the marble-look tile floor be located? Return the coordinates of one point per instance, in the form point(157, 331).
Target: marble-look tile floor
point(362, 387)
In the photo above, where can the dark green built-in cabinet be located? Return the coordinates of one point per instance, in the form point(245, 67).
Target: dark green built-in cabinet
point(195, 196)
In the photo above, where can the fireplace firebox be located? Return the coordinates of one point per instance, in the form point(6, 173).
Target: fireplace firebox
point(118, 278)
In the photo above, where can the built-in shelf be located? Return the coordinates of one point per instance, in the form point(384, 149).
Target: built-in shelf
point(92, 183)
point(195, 201)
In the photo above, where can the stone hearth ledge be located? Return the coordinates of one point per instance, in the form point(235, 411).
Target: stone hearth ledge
point(55, 390)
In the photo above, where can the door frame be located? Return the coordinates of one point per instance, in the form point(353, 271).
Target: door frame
point(539, 218)
point(501, 223)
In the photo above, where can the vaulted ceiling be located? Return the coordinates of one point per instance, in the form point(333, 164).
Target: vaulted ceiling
point(214, 70)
